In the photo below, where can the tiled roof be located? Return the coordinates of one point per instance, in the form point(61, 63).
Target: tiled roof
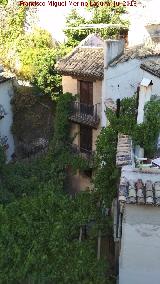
point(152, 67)
point(139, 192)
point(83, 62)
point(139, 52)
point(86, 60)
point(124, 150)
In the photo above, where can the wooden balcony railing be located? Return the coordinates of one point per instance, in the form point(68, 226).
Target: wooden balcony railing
point(85, 114)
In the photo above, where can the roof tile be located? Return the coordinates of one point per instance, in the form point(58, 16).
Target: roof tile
point(138, 192)
point(152, 67)
point(83, 62)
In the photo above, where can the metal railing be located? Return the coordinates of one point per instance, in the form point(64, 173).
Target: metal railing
point(84, 113)
point(86, 153)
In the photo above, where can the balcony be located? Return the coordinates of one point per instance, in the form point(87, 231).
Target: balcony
point(83, 152)
point(85, 114)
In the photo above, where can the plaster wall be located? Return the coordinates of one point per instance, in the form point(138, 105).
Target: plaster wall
point(72, 86)
point(84, 182)
point(95, 133)
point(69, 85)
point(122, 80)
point(144, 97)
point(75, 129)
point(112, 49)
point(80, 181)
point(97, 92)
point(97, 99)
point(140, 245)
point(6, 93)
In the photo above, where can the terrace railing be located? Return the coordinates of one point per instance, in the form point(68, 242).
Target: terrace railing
point(85, 114)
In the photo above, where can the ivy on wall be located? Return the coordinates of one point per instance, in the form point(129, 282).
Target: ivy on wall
point(30, 55)
point(146, 134)
point(40, 224)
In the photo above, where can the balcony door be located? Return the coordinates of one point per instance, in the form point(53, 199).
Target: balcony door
point(86, 92)
point(86, 97)
point(85, 139)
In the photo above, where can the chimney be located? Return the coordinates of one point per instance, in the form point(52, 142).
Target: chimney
point(145, 92)
point(112, 50)
point(144, 97)
point(153, 30)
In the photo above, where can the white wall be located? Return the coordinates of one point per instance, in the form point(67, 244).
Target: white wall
point(138, 17)
point(112, 50)
point(123, 79)
point(140, 247)
point(6, 92)
point(132, 173)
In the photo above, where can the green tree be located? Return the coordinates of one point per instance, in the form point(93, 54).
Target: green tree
point(75, 36)
point(31, 55)
point(39, 242)
point(40, 224)
point(38, 53)
point(110, 15)
point(100, 15)
point(3, 2)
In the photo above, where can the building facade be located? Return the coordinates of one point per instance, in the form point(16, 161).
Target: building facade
point(124, 75)
point(82, 76)
point(137, 230)
point(6, 116)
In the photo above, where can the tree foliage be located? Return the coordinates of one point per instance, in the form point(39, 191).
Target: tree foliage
point(74, 36)
point(110, 15)
point(100, 15)
point(105, 181)
point(39, 242)
point(144, 134)
point(30, 53)
point(3, 2)
point(40, 223)
point(38, 54)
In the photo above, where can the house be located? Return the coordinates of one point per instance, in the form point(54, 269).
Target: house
point(137, 229)
point(123, 74)
point(139, 232)
point(100, 73)
point(6, 116)
point(82, 75)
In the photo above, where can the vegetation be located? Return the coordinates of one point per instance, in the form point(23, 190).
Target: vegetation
point(39, 242)
point(29, 52)
point(74, 36)
point(40, 223)
point(144, 134)
point(100, 15)
point(33, 118)
point(106, 173)
point(3, 2)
